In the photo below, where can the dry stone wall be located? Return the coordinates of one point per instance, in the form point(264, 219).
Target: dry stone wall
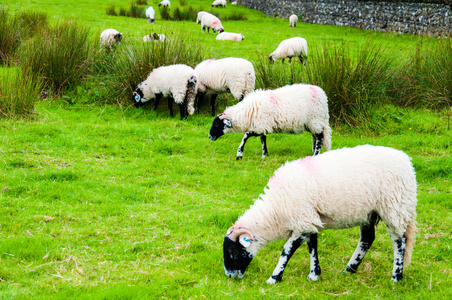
point(402, 17)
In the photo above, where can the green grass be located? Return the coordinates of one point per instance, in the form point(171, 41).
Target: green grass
point(111, 202)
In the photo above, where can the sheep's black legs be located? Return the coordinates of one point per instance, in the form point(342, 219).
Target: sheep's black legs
point(264, 145)
point(290, 60)
point(317, 142)
point(289, 249)
point(199, 96)
point(157, 100)
point(315, 271)
point(182, 111)
point(246, 136)
point(365, 241)
point(213, 97)
point(170, 107)
point(399, 245)
point(301, 59)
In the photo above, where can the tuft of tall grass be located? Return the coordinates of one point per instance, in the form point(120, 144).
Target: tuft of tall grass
point(141, 2)
point(189, 14)
point(18, 94)
point(235, 16)
point(164, 13)
point(111, 11)
point(272, 76)
point(10, 35)
point(136, 11)
point(60, 56)
point(353, 82)
point(131, 64)
point(33, 22)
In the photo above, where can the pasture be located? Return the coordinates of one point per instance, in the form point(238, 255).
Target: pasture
point(101, 200)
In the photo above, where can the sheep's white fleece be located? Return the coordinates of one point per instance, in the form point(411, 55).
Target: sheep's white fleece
point(230, 36)
point(150, 13)
point(295, 46)
point(219, 75)
point(199, 16)
point(154, 37)
point(211, 21)
point(107, 37)
point(165, 3)
point(219, 3)
point(293, 19)
point(170, 81)
point(336, 189)
point(290, 109)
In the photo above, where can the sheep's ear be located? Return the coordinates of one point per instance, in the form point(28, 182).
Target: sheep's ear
point(227, 123)
point(245, 240)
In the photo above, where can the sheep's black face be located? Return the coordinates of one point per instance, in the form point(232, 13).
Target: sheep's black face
point(271, 59)
point(236, 258)
point(137, 96)
point(218, 128)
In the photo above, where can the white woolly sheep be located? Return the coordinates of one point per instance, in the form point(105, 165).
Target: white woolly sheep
point(111, 38)
point(150, 14)
point(338, 189)
point(210, 21)
point(234, 2)
point(154, 37)
point(199, 16)
point(165, 3)
point(230, 36)
point(231, 74)
point(178, 81)
point(289, 109)
point(295, 46)
point(221, 3)
point(293, 19)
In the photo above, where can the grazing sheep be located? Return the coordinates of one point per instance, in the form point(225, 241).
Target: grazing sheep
point(234, 2)
point(289, 109)
point(295, 46)
point(337, 189)
point(219, 3)
point(210, 21)
point(178, 81)
point(165, 3)
point(154, 37)
point(230, 36)
point(110, 38)
point(234, 75)
point(199, 16)
point(293, 19)
point(150, 14)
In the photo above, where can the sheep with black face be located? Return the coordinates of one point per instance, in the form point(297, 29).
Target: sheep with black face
point(334, 190)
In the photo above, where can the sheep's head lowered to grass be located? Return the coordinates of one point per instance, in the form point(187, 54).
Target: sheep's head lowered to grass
point(220, 126)
point(236, 250)
point(138, 97)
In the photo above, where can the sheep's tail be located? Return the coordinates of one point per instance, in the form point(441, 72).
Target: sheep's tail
point(191, 94)
point(326, 137)
point(409, 234)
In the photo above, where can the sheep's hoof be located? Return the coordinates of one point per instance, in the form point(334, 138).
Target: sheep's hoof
point(348, 270)
point(271, 280)
point(238, 157)
point(312, 277)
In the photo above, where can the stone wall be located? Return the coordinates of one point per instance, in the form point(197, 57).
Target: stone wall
point(402, 17)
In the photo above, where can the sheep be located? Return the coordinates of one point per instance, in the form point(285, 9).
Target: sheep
point(231, 74)
point(230, 36)
point(337, 189)
point(154, 37)
point(199, 16)
point(111, 38)
point(295, 46)
point(219, 3)
point(178, 81)
point(165, 3)
point(293, 19)
point(234, 2)
point(150, 14)
point(210, 21)
point(290, 109)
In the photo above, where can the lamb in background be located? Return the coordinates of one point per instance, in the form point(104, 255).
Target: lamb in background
point(154, 37)
point(293, 19)
point(210, 21)
point(231, 36)
point(165, 3)
point(337, 189)
point(221, 3)
point(289, 109)
point(178, 81)
point(150, 14)
point(111, 38)
point(231, 74)
point(295, 46)
point(199, 16)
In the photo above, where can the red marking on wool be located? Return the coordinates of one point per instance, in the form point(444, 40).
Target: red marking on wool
point(273, 99)
point(313, 91)
point(235, 38)
point(209, 61)
point(215, 22)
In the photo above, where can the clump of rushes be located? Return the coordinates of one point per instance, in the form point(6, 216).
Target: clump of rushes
point(33, 22)
point(131, 64)
point(10, 35)
point(60, 56)
point(18, 94)
point(353, 82)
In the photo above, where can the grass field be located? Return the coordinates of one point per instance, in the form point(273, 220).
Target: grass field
point(112, 202)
